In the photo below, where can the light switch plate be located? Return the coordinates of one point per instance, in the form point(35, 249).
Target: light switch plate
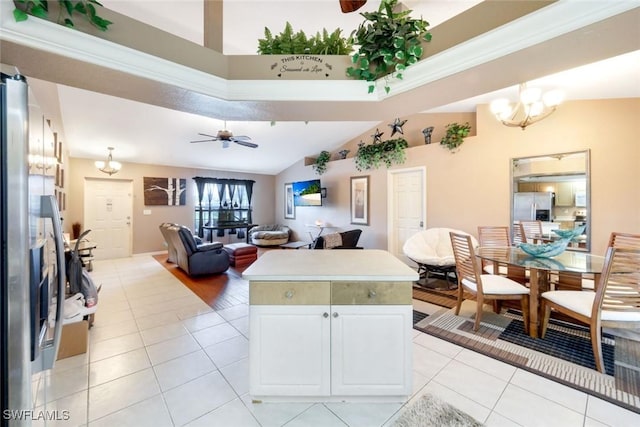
point(146, 212)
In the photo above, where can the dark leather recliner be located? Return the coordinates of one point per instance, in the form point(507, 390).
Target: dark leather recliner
point(194, 259)
point(349, 240)
point(173, 257)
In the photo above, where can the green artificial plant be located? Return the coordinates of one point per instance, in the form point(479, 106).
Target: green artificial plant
point(455, 135)
point(288, 42)
point(388, 43)
point(67, 10)
point(373, 155)
point(320, 166)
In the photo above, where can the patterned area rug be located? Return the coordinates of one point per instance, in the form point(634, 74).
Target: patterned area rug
point(564, 355)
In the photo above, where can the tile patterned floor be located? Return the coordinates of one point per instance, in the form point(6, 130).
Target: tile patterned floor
point(159, 356)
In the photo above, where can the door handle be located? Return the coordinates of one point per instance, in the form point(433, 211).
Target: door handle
point(421, 224)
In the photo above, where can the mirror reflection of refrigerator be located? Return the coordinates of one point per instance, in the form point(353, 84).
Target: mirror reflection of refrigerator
point(532, 206)
point(32, 274)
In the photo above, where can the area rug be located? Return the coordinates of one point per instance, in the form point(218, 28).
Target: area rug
point(429, 411)
point(564, 355)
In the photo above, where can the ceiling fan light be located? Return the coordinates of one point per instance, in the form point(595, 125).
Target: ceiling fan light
point(99, 164)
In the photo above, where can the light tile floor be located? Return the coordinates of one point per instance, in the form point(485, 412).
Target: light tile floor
point(159, 356)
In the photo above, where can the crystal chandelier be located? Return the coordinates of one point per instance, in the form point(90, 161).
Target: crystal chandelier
point(532, 106)
point(110, 166)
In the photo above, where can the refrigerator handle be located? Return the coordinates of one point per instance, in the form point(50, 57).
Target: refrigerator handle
point(49, 209)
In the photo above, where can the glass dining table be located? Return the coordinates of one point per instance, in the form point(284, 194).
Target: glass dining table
point(540, 269)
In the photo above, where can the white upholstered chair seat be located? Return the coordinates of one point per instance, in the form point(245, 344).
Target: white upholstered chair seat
point(582, 303)
point(494, 284)
point(432, 247)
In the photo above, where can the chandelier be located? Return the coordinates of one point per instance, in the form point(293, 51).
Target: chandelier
point(532, 106)
point(110, 166)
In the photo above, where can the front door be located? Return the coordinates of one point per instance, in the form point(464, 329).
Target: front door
point(108, 206)
point(406, 207)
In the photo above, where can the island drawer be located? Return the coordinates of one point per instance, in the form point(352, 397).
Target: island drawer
point(371, 293)
point(289, 293)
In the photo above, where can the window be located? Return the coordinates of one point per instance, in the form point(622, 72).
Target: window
point(222, 201)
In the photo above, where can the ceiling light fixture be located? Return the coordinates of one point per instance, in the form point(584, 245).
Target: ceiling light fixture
point(532, 106)
point(110, 166)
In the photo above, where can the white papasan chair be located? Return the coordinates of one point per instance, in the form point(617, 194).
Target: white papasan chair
point(431, 249)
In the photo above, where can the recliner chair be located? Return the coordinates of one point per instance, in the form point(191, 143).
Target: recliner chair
point(194, 259)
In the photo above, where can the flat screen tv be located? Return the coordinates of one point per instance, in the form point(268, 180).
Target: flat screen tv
point(307, 193)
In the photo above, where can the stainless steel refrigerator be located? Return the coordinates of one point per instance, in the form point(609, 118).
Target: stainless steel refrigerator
point(531, 206)
point(32, 286)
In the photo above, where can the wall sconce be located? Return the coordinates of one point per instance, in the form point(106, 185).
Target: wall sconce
point(110, 166)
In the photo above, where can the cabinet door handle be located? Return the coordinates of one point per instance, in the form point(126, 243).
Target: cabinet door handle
point(289, 294)
point(335, 314)
point(325, 314)
point(372, 293)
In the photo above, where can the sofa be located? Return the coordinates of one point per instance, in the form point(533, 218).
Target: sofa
point(347, 240)
point(195, 259)
point(269, 235)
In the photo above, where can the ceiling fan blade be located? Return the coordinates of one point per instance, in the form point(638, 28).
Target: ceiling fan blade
point(203, 140)
point(246, 144)
point(206, 134)
point(241, 137)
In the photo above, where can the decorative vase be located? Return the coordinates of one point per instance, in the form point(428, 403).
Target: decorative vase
point(343, 154)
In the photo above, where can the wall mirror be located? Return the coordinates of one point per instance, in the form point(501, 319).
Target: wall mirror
point(554, 189)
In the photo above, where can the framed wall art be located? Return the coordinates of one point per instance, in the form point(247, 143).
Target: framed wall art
point(360, 200)
point(165, 191)
point(289, 208)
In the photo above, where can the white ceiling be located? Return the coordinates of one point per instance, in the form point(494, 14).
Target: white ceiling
point(150, 134)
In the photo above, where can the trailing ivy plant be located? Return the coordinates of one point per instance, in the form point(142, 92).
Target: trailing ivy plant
point(320, 166)
point(373, 155)
point(67, 10)
point(389, 42)
point(455, 135)
point(288, 42)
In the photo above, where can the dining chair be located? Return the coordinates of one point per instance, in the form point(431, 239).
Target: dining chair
point(616, 240)
point(614, 304)
point(518, 234)
point(485, 287)
point(531, 230)
point(490, 236)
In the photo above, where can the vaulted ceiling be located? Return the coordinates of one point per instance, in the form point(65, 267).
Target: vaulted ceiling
point(150, 108)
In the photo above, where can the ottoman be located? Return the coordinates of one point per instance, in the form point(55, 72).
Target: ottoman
point(241, 254)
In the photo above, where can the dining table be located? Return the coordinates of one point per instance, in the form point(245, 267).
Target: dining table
point(572, 263)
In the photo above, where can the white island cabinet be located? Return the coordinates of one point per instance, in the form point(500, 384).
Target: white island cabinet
point(330, 325)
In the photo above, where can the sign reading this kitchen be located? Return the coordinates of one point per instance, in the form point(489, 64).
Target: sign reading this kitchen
point(309, 66)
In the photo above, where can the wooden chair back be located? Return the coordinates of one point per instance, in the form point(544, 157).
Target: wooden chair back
point(493, 236)
point(466, 261)
point(518, 234)
point(619, 290)
point(531, 230)
point(624, 240)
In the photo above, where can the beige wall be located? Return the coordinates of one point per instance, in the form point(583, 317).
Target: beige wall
point(472, 186)
point(146, 236)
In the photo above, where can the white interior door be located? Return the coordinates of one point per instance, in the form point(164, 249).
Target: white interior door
point(108, 207)
point(406, 207)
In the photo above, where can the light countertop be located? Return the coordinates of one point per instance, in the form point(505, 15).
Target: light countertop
point(337, 264)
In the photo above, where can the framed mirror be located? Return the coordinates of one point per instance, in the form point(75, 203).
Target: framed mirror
point(553, 189)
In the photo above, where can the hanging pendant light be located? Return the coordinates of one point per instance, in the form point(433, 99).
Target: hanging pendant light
point(110, 166)
point(532, 106)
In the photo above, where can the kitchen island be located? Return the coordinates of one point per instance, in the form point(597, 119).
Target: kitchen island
point(330, 325)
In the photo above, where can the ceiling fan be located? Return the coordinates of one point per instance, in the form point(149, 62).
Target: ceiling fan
point(226, 136)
